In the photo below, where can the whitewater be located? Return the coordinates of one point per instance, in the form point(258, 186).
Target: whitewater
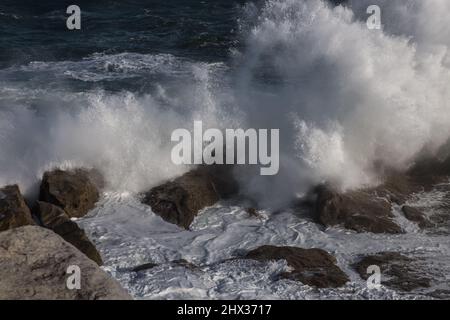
point(346, 99)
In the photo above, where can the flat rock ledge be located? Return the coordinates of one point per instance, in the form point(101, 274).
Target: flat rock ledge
point(34, 263)
point(313, 267)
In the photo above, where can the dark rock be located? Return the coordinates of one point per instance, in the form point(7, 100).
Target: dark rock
point(314, 267)
point(415, 215)
point(252, 212)
point(13, 210)
point(34, 262)
point(422, 176)
point(397, 271)
point(180, 262)
point(369, 210)
point(186, 264)
point(73, 191)
point(361, 211)
point(56, 219)
point(441, 294)
point(180, 200)
point(143, 267)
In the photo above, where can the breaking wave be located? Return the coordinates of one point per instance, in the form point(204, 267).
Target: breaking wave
point(345, 98)
point(353, 98)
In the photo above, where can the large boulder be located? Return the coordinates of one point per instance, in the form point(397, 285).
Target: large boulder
point(314, 267)
point(73, 191)
point(397, 271)
point(13, 210)
point(56, 219)
point(34, 262)
point(179, 201)
point(361, 211)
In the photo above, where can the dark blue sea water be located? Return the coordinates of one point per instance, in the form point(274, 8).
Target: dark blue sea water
point(36, 31)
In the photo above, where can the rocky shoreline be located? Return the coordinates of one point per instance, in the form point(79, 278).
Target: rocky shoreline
point(39, 244)
point(65, 195)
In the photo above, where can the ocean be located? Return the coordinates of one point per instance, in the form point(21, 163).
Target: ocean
point(345, 98)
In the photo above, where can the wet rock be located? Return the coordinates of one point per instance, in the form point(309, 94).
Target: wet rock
point(397, 271)
point(179, 201)
point(252, 212)
point(186, 264)
point(361, 211)
point(34, 263)
point(314, 267)
point(75, 191)
point(143, 267)
point(441, 294)
point(423, 176)
point(13, 210)
point(56, 219)
point(180, 262)
point(415, 215)
point(369, 210)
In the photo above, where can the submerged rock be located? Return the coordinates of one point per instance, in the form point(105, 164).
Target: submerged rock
point(34, 263)
point(56, 219)
point(13, 210)
point(397, 271)
point(179, 201)
point(361, 211)
point(314, 267)
point(74, 191)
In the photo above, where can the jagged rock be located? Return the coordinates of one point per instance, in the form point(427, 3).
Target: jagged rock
point(74, 191)
point(361, 211)
point(314, 267)
point(397, 271)
point(13, 210)
point(415, 215)
point(34, 263)
point(179, 201)
point(56, 219)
